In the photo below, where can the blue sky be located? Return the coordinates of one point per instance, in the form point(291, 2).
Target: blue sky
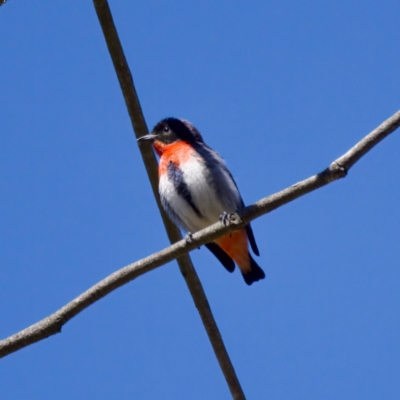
point(280, 89)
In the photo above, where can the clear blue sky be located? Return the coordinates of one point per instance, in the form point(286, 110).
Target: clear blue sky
point(280, 89)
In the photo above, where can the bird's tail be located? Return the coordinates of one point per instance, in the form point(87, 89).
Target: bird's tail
point(255, 273)
point(235, 246)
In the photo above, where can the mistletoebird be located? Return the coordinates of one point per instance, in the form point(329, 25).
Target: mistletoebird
point(197, 190)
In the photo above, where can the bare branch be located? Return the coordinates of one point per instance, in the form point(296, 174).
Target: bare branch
point(337, 169)
point(53, 323)
point(185, 263)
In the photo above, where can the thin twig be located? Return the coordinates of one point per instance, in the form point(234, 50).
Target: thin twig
point(338, 169)
point(185, 263)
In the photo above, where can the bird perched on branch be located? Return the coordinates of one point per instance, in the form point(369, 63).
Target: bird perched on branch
point(196, 189)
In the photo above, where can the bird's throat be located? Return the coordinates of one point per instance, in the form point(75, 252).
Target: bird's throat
point(178, 153)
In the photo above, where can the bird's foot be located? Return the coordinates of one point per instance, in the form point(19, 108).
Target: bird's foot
point(228, 219)
point(224, 218)
point(188, 238)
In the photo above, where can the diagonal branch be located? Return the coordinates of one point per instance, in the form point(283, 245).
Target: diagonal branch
point(338, 169)
point(184, 261)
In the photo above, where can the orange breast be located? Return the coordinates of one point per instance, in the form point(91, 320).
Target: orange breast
point(178, 153)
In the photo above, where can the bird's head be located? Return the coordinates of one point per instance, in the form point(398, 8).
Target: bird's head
point(171, 130)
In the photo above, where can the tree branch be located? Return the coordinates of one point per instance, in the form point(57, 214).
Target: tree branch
point(184, 261)
point(338, 169)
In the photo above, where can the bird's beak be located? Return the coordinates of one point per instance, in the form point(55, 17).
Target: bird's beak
point(151, 137)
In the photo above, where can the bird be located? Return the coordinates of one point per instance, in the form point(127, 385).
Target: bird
point(197, 190)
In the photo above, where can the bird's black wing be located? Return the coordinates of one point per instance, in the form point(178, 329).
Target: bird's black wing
point(249, 229)
point(209, 153)
point(252, 240)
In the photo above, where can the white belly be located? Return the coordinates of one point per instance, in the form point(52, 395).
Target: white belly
point(204, 197)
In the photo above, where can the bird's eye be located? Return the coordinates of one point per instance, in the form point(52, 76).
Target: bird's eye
point(166, 129)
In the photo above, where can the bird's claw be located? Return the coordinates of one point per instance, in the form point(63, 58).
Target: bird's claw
point(224, 218)
point(189, 238)
point(227, 219)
